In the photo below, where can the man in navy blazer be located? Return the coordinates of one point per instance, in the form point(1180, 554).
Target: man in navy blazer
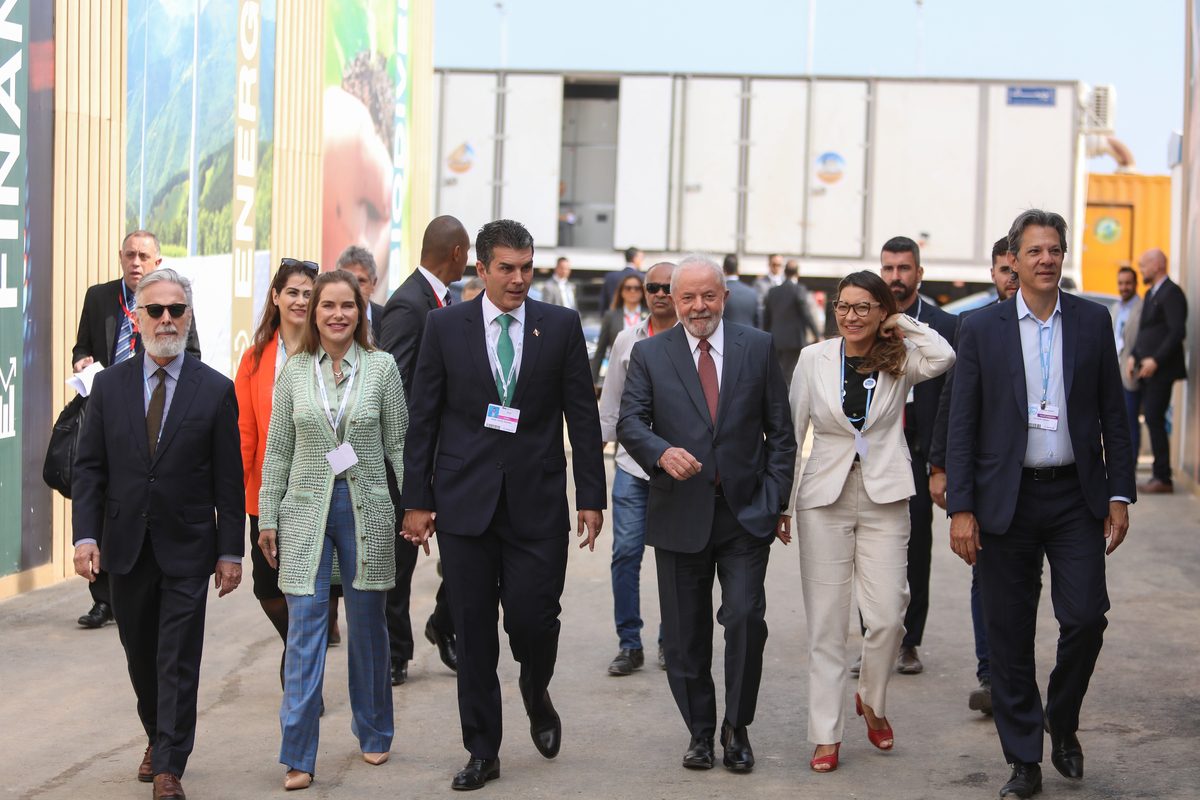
point(159, 505)
point(495, 377)
point(1039, 460)
point(705, 413)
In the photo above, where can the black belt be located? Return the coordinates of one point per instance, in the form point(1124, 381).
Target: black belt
point(1049, 473)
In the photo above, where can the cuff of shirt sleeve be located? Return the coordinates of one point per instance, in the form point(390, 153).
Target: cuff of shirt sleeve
point(1119, 499)
point(233, 559)
point(85, 541)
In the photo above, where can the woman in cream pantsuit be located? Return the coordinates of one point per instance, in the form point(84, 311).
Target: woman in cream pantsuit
point(851, 498)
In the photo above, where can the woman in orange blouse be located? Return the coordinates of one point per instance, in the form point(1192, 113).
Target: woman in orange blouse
point(277, 336)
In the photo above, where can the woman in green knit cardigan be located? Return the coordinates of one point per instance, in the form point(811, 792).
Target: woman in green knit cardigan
point(338, 411)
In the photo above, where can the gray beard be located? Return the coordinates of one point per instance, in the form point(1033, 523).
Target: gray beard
point(170, 348)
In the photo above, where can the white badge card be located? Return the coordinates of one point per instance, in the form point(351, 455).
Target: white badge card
point(861, 445)
point(341, 458)
point(1043, 417)
point(912, 395)
point(502, 418)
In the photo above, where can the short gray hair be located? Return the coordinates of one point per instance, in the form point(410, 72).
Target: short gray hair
point(164, 274)
point(355, 254)
point(697, 261)
point(1040, 218)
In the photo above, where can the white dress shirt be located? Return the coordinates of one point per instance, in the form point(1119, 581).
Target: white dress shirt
point(1044, 448)
point(435, 283)
point(565, 291)
point(516, 332)
point(1124, 309)
point(716, 349)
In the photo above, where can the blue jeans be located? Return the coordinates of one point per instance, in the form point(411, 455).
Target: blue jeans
point(1133, 408)
point(983, 670)
point(629, 495)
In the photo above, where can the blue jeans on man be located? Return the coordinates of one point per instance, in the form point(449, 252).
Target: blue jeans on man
point(629, 497)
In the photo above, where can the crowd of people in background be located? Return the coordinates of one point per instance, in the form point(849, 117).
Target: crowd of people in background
point(354, 433)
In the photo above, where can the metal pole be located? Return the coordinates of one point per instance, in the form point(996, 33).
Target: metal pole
point(194, 170)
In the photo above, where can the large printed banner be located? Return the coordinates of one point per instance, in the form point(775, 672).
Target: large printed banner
point(200, 110)
point(365, 145)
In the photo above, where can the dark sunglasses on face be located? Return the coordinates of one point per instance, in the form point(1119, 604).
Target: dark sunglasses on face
point(655, 288)
point(310, 266)
point(155, 310)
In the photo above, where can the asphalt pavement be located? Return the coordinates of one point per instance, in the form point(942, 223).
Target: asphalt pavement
point(68, 726)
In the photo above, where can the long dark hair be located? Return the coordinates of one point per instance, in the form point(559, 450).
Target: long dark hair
point(887, 354)
point(618, 302)
point(312, 337)
point(268, 322)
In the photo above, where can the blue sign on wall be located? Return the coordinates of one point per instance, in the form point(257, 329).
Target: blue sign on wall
point(1031, 95)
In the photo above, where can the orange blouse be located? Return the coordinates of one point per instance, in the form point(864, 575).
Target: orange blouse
point(254, 387)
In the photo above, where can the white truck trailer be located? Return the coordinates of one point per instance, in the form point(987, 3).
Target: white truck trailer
point(823, 169)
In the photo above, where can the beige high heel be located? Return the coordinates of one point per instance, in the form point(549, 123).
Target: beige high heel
point(296, 779)
point(375, 759)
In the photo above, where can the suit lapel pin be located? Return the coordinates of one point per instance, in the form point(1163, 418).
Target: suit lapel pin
point(536, 332)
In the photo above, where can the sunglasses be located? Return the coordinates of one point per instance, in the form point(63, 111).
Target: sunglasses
point(155, 310)
point(310, 266)
point(655, 288)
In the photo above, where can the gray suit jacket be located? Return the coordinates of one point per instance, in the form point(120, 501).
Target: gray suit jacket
point(741, 307)
point(1129, 337)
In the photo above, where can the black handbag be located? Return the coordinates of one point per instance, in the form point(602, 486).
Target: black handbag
point(60, 454)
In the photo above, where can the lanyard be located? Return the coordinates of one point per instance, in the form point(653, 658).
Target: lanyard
point(868, 384)
point(1044, 355)
point(333, 421)
point(133, 323)
point(917, 314)
point(506, 382)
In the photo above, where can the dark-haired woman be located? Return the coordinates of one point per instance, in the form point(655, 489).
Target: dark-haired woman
point(851, 498)
point(339, 411)
point(628, 309)
point(277, 336)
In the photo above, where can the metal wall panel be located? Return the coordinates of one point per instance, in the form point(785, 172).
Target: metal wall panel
point(465, 173)
point(643, 163)
point(837, 169)
point(531, 154)
point(925, 172)
point(711, 133)
point(778, 149)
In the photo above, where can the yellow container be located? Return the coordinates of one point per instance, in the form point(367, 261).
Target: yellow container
point(1126, 216)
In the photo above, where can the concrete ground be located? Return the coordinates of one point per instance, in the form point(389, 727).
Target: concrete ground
point(68, 727)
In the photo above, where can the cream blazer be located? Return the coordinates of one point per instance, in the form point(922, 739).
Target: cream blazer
point(816, 399)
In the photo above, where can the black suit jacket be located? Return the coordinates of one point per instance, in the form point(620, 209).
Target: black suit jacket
point(611, 325)
point(189, 499)
point(376, 323)
point(1161, 330)
point(941, 423)
point(787, 318)
point(989, 418)
point(402, 324)
point(100, 321)
point(457, 467)
point(922, 414)
point(752, 445)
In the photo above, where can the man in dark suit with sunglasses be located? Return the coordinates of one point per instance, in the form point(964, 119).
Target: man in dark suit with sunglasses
point(108, 334)
point(159, 503)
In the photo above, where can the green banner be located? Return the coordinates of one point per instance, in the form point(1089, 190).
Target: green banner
point(14, 96)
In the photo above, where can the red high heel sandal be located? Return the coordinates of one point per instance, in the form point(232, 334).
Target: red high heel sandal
point(825, 763)
point(883, 738)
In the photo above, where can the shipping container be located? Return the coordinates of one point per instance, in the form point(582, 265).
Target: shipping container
point(1126, 216)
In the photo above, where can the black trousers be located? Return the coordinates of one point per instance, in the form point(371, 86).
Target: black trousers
point(526, 577)
point(399, 621)
point(920, 553)
point(1156, 397)
point(787, 363)
point(1051, 517)
point(738, 560)
point(99, 589)
point(161, 623)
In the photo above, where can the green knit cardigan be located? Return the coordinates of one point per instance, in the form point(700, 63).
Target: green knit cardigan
point(297, 481)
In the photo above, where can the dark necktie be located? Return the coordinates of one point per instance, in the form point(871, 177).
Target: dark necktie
point(154, 414)
point(708, 379)
point(446, 299)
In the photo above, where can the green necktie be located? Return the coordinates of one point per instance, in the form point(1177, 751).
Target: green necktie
point(504, 355)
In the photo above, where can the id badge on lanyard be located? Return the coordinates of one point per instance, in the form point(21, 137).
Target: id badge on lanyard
point(342, 457)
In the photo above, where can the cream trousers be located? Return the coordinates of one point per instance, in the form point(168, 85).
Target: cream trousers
point(854, 541)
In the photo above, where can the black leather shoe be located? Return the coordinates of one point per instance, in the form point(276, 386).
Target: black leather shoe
point(981, 699)
point(444, 643)
point(100, 615)
point(627, 661)
point(699, 754)
point(1025, 781)
point(739, 757)
point(1066, 755)
point(476, 773)
point(662, 658)
point(399, 673)
point(545, 727)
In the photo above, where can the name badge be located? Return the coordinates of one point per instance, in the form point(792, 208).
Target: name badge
point(861, 445)
point(341, 458)
point(502, 418)
point(912, 395)
point(1045, 419)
